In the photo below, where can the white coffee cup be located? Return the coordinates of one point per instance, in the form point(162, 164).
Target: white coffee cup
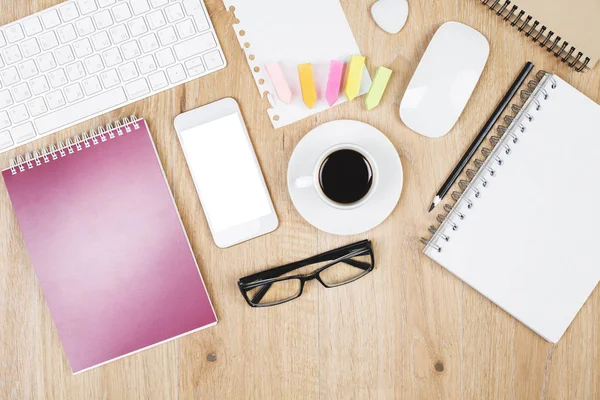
point(314, 179)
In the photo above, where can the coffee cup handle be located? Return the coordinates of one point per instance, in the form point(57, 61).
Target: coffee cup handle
point(303, 182)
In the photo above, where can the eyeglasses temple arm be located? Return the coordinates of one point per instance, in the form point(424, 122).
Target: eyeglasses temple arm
point(327, 256)
point(358, 264)
point(261, 293)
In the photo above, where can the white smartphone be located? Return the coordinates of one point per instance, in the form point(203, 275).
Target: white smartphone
point(226, 173)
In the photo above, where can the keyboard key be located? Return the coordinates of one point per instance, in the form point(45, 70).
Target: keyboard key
point(28, 69)
point(158, 3)
point(139, 6)
point(82, 110)
point(1, 63)
point(57, 78)
point(75, 71)
point(30, 47)
point(106, 3)
point(64, 55)
point(87, 6)
point(46, 62)
point(11, 54)
point(119, 34)
point(48, 40)
point(68, 12)
point(18, 114)
point(5, 99)
point(146, 64)
point(165, 57)
point(103, 19)
point(194, 66)
point(32, 26)
point(2, 40)
point(9, 76)
point(85, 26)
point(137, 27)
point(213, 59)
point(131, 50)
point(167, 36)
point(176, 73)
point(37, 107)
point(149, 43)
point(21, 92)
point(4, 120)
point(121, 12)
point(50, 19)
point(192, 6)
point(156, 19)
point(158, 80)
point(101, 41)
point(185, 29)
point(55, 100)
point(82, 48)
point(174, 12)
point(5, 140)
point(74, 92)
point(14, 33)
point(128, 71)
point(137, 88)
point(39, 85)
point(112, 57)
point(110, 78)
point(23, 132)
point(91, 85)
point(94, 64)
point(194, 46)
point(66, 33)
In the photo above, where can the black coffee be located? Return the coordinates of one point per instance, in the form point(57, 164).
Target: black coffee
point(345, 176)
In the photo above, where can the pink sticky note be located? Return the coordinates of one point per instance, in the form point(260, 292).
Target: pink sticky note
point(279, 82)
point(334, 82)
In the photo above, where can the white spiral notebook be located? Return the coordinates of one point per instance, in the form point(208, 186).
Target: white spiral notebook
point(524, 231)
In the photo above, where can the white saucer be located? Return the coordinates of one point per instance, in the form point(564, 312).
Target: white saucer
point(381, 201)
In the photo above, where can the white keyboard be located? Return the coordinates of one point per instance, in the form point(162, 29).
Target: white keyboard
point(83, 58)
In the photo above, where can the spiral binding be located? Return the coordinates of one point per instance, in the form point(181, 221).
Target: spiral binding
point(546, 37)
point(483, 170)
point(21, 163)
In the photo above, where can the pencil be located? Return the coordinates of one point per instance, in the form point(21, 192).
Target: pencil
point(500, 108)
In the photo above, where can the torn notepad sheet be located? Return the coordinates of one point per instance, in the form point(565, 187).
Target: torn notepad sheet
point(293, 33)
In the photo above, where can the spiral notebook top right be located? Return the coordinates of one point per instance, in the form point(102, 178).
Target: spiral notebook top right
point(568, 29)
point(525, 231)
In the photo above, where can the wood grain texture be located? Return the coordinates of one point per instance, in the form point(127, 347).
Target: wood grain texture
point(410, 330)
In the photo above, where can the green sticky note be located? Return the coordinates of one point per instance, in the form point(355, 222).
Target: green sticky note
point(380, 82)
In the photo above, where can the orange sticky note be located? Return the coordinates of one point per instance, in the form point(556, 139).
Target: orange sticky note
point(307, 84)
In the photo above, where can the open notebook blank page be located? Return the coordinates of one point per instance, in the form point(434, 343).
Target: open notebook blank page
point(529, 242)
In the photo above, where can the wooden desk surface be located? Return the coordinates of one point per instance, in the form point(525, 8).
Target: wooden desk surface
point(410, 330)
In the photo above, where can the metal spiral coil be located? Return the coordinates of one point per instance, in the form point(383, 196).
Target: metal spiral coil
point(482, 172)
point(537, 32)
point(26, 161)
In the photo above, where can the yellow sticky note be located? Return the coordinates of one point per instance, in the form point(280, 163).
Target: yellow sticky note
point(354, 77)
point(307, 84)
point(380, 81)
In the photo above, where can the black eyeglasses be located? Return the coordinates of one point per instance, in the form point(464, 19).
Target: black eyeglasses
point(341, 266)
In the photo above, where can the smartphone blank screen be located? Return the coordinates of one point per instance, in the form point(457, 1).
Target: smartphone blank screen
point(227, 177)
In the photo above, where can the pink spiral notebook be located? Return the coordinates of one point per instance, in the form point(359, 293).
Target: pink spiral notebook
point(107, 244)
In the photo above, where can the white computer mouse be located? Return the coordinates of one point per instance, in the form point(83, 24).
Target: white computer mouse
point(390, 15)
point(444, 80)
